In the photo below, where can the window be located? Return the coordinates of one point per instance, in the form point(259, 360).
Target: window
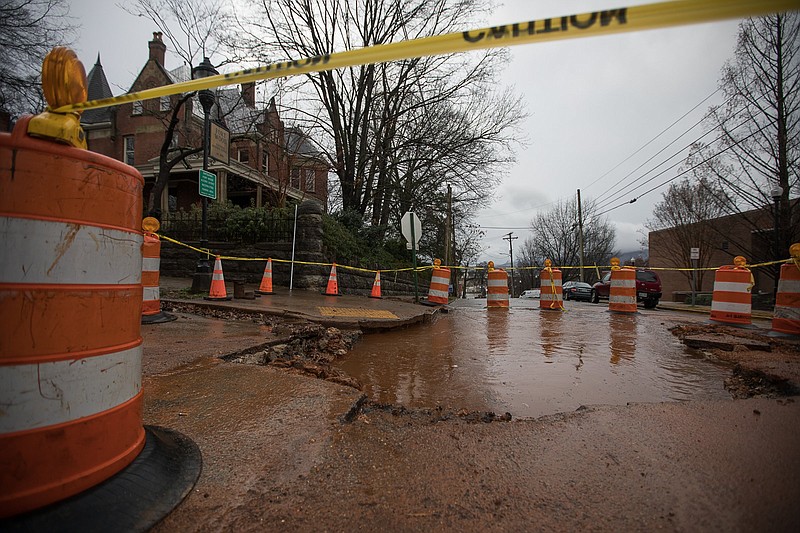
point(129, 149)
point(295, 181)
point(137, 108)
point(164, 103)
point(244, 155)
point(724, 245)
point(173, 144)
point(310, 179)
point(265, 160)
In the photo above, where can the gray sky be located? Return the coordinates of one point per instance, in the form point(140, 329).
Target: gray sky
point(592, 103)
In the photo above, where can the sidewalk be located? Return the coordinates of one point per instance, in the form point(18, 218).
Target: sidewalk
point(345, 311)
point(705, 309)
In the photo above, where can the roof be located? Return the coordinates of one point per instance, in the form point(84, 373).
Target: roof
point(97, 87)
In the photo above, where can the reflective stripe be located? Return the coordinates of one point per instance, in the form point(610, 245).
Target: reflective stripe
point(38, 395)
point(151, 293)
point(789, 285)
point(217, 276)
point(730, 286)
point(624, 283)
point(498, 282)
point(43, 251)
point(730, 307)
point(792, 313)
point(440, 280)
point(550, 296)
point(440, 294)
point(621, 299)
point(151, 264)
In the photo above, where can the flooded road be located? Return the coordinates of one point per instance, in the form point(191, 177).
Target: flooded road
point(532, 363)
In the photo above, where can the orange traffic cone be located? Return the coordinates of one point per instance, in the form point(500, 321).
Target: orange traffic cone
point(376, 287)
point(217, 291)
point(333, 285)
point(266, 280)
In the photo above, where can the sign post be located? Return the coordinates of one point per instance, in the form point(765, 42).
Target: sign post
point(411, 228)
point(208, 184)
point(694, 255)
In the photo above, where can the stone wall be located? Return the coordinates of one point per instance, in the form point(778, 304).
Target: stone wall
point(178, 261)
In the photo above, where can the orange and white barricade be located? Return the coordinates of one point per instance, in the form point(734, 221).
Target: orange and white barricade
point(497, 290)
point(550, 292)
point(622, 291)
point(786, 318)
point(440, 284)
point(71, 292)
point(151, 267)
point(266, 280)
point(731, 302)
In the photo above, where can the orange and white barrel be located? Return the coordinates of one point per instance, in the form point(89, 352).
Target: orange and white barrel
point(786, 318)
point(622, 291)
point(497, 289)
point(151, 268)
point(731, 302)
point(440, 286)
point(70, 310)
point(551, 295)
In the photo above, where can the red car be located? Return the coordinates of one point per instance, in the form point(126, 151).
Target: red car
point(648, 288)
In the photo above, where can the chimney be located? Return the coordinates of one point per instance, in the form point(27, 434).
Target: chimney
point(157, 48)
point(249, 93)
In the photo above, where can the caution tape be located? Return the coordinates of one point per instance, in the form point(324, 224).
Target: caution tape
point(595, 23)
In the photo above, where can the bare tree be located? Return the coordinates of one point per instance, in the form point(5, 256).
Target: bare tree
point(555, 237)
point(395, 132)
point(759, 125)
point(29, 29)
point(687, 210)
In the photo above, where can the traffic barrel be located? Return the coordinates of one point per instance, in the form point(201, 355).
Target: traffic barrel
point(622, 292)
point(376, 286)
point(786, 318)
point(266, 279)
point(70, 348)
point(497, 291)
point(217, 291)
point(440, 284)
point(550, 293)
point(151, 267)
point(731, 302)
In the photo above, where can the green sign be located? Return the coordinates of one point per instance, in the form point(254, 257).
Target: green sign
point(208, 184)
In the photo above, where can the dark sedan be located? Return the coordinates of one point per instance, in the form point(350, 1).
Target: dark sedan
point(577, 290)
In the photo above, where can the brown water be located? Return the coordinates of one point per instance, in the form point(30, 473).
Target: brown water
point(532, 363)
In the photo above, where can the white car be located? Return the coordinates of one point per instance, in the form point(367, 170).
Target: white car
point(532, 293)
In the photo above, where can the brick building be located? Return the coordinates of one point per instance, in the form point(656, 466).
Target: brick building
point(750, 234)
point(267, 163)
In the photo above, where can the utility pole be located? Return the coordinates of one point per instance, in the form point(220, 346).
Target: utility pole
point(580, 232)
point(448, 232)
point(509, 238)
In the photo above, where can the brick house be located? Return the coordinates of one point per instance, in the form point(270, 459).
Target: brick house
point(268, 162)
point(750, 234)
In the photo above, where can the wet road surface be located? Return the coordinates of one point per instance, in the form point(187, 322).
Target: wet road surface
point(532, 363)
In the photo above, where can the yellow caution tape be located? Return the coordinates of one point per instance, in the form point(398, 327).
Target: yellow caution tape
point(624, 19)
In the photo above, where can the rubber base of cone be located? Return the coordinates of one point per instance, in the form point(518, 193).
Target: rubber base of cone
point(158, 318)
point(135, 499)
point(376, 297)
point(262, 293)
point(209, 298)
point(326, 294)
point(429, 303)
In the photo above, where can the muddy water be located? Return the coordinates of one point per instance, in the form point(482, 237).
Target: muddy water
point(532, 363)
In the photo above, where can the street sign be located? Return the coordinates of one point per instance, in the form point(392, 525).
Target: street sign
point(220, 143)
point(694, 253)
point(406, 222)
point(208, 184)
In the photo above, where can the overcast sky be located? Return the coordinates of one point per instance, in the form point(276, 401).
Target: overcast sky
point(592, 104)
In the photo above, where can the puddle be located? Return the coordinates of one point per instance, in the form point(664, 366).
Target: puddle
point(533, 363)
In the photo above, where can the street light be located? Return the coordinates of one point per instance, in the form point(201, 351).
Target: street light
point(776, 194)
point(202, 276)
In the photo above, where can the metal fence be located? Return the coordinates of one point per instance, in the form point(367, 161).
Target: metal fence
point(245, 226)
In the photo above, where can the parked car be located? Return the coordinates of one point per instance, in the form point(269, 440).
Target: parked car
point(532, 293)
point(576, 290)
point(648, 288)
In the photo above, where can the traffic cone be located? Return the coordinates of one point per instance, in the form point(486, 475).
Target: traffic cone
point(266, 280)
point(376, 287)
point(217, 292)
point(333, 285)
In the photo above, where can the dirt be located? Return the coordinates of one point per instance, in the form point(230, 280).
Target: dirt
point(764, 366)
